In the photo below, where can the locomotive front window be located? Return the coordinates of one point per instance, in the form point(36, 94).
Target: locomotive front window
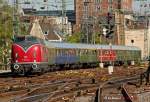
point(19, 39)
point(25, 38)
point(30, 38)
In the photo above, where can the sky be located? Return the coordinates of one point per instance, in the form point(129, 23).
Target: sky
point(139, 6)
point(51, 5)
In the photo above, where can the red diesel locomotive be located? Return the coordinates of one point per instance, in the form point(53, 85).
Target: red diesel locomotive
point(28, 53)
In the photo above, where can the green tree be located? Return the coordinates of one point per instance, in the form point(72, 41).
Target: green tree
point(6, 30)
point(74, 38)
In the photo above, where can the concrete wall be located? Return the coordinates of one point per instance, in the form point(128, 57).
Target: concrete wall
point(137, 36)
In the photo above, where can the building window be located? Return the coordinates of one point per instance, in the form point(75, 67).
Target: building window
point(97, 1)
point(110, 5)
point(110, 1)
point(97, 5)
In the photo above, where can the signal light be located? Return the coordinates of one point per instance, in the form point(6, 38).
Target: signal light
point(108, 31)
point(105, 31)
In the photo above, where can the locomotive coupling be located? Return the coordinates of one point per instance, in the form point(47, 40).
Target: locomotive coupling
point(34, 66)
point(16, 66)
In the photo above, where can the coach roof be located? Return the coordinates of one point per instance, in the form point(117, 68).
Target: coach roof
point(88, 46)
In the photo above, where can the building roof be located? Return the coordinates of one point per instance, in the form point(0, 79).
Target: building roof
point(69, 13)
point(35, 30)
point(50, 31)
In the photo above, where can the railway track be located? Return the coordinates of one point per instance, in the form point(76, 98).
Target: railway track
point(51, 90)
point(63, 85)
point(70, 90)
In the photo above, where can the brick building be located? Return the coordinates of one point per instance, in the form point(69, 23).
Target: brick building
point(99, 7)
point(87, 10)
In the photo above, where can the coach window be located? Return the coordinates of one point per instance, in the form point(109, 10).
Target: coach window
point(60, 52)
point(93, 52)
point(90, 52)
point(64, 52)
point(67, 52)
point(70, 52)
point(80, 52)
point(77, 52)
point(73, 52)
point(83, 53)
point(86, 52)
point(57, 53)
